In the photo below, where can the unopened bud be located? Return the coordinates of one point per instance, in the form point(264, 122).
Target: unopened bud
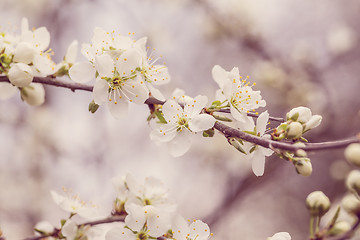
point(313, 122)
point(300, 114)
point(280, 236)
point(294, 130)
point(339, 228)
point(352, 154)
point(351, 204)
point(300, 153)
point(317, 203)
point(236, 144)
point(353, 181)
point(20, 75)
point(34, 94)
point(303, 167)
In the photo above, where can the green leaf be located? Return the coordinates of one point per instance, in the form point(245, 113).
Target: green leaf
point(160, 116)
point(252, 149)
point(93, 107)
point(235, 143)
point(209, 133)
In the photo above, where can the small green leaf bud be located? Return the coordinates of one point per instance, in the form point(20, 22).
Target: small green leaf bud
point(317, 203)
point(303, 167)
point(236, 144)
point(351, 204)
point(352, 154)
point(209, 133)
point(353, 181)
point(294, 130)
point(93, 107)
point(340, 228)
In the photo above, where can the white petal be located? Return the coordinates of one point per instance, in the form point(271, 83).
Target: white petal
point(88, 51)
point(258, 163)
point(241, 117)
point(40, 38)
point(163, 132)
point(128, 62)
point(180, 144)
point(69, 229)
point(201, 122)
point(247, 125)
point(199, 230)
point(159, 224)
point(219, 95)
point(180, 228)
point(101, 91)
point(44, 64)
point(281, 236)
point(82, 72)
point(135, 92)
point(155, 92)
point(118, 107)
point(171, 111)
point(261, 122)
point(7, 90)
point(119, 233)
point(154, 188)
point(304, 114)
point(220, 76)
point(141, 44)
point(122, 42)
point(194, 108)
point(136, 216)
point(313, 122)
point(266, 151)
point(20, 75)
point(104, 65)
point(134, 186)
point(24, 53)
point(71, 52)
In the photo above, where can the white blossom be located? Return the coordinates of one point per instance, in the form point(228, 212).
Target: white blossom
point(197, 230)
point(20, 74)
point(238, 92)
point(34, 94)
point(181, 122)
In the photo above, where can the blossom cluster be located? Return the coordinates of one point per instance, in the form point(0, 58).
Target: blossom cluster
point(124, 72)
point(147, 209)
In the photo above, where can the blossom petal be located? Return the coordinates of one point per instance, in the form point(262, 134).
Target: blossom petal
point(40, 38)
point(171, 110)
point(163, 133)
point(82, 72)
point(180, 228)
point(158, 224)
point(240, 116)
point(135, 92)
point(117, 107)
point(128, 62)
point(201, 122)
point(155, 92)
point(69, 229)
point(313, 122)
point(101, 91)
point(136, 216)
point(34, 94)
point(258, 163)
point(7, 90)
point(24, 53)
point(117, 233)
point(71, 52)
point(180, 144)
point(194, 108)
point(261, 122)
point(104, 65)
point(199, 230)
point(220, 76)
point(153, 188)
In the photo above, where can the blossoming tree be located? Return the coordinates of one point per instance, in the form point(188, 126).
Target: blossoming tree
point(126, 73)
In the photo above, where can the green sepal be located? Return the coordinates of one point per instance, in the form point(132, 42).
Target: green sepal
point(282, 127)
point(294, 117)
point(62, 222)
point(304, 139)
point(222, 118)
point(61, 72)
point(209, 133)
point(93, 107)
point(215, 104)
point(253, 149)
point(236, 144)
point(160, 116)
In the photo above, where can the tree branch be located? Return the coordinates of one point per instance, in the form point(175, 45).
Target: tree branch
point(224, 129)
